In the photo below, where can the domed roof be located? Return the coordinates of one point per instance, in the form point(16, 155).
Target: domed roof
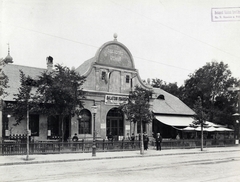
point(8, 58)
point(114, 53)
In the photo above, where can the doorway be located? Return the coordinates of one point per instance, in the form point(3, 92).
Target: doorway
point(115, 125)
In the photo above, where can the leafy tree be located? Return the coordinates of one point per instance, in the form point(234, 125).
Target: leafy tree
point(23, 99)
point(171, 88)
point(23, 104)
point(200, 117)
point(138, 108)
point(59, 93)
point(211, 83)
point(3, 80)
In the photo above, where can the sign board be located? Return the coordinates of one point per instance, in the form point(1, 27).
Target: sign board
point(7, 133)
point(225, 14)
point(49, 133)
point(103, 125)
point(115, 99)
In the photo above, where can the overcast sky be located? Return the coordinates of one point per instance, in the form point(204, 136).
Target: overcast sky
point(168, 39)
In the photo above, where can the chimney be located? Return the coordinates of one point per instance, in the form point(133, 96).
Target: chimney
point(49, 63)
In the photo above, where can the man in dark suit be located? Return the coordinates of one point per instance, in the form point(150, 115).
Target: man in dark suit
point(158, 141)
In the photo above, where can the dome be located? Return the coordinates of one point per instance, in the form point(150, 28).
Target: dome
point(8, 59)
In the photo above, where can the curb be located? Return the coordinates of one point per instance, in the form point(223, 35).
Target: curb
point(115, 157)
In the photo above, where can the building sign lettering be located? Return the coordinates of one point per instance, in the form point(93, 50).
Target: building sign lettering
point(115, 100)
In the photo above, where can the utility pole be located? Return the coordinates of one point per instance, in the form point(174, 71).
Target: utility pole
point(237, 114)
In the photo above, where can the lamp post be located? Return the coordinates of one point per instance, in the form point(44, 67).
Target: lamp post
point(7, 126)
point(94, 111)
point(236, 128)
point(28, 133)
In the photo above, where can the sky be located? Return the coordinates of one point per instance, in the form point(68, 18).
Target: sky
point(168, 39)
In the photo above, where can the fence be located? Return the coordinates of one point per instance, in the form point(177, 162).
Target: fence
point(18, 148)
point(195, 143)
point(15, 148)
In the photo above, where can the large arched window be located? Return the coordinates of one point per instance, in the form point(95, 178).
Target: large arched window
point(84, 122)
point(115, 123)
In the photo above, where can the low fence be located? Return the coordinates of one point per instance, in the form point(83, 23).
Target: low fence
point(18, 148)
point(67, 147)
point(195, 143)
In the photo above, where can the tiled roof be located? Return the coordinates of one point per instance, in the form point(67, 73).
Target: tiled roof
point(83, 68)
point(13, 73)
point(170, 105)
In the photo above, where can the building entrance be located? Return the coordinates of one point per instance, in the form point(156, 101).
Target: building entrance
point(115, 123)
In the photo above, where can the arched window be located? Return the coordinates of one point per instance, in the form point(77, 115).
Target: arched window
point(84, 122)
point(161, 97)
point(115, 123)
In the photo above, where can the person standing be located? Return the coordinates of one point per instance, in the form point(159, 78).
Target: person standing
point(110, 137)
point(158, 141)
point(132, 138)
point(145, 141)
point(75, 138)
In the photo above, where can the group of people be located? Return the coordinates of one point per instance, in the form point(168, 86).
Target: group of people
point(158, 139)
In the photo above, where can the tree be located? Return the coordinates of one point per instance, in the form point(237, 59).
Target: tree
point(200, 117)
point(138, 109)
point(211, 83)
point(60, 94)
point(171, 88)
point(3, 80)
point(23, 104)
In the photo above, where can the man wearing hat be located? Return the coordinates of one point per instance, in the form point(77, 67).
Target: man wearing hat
point(158, 141)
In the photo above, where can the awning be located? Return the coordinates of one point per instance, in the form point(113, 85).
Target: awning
point(209, 129)
point(175, 120)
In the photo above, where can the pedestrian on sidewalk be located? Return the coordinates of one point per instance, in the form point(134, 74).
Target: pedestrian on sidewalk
point(158, 141)
point(145, 141)
point(132, 140)
point(110, 137)
point(75, 138)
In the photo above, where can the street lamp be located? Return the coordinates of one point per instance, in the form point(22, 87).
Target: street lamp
point(94, 111)
point(236, 128)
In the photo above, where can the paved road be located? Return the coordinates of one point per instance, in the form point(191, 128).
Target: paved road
point(205, 167)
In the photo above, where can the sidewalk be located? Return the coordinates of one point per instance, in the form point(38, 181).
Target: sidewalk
point(50, 158)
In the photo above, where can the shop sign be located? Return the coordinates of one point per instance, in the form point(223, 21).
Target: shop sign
point(115, 100)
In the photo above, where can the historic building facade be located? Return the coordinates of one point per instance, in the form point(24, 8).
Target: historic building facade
point(110, 76)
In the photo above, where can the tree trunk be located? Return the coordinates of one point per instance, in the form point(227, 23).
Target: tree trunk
point(134, 126)
point(62, 125)
point(141, 147)
point(201, 135)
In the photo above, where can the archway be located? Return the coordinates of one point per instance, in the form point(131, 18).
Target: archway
point(115, 124)
point(84, 122)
